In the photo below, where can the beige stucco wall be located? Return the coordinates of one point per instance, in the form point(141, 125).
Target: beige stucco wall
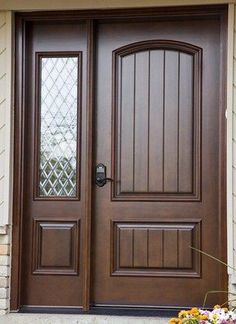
point(5, 138)
point(7, 110)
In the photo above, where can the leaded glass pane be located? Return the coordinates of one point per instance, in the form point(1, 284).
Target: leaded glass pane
point(58, 126)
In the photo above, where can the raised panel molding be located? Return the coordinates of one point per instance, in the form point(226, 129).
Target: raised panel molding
point(156, 249)
point(157, 121)
point(55, 247)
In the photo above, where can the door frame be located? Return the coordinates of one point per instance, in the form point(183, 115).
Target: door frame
point(90, 17)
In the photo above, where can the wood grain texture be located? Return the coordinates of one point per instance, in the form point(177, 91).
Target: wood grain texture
point(126, 239)
point(157, 104)
point(89, 165)
point(170, 267)
point(185, 118)
point(141, 114)
point(47, 280)
point(56, 248)
point(126, 115)
point(156, 249)
point(156, 83)
point(140, 248)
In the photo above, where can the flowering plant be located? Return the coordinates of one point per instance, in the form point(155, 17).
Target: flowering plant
point(194, 316)
point(219, 315)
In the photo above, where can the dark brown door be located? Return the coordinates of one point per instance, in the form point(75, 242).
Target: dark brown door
point(54, 174)
point(157, 131)
point(157, 128)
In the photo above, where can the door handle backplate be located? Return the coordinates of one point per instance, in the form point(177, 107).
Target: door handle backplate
point(100, 175)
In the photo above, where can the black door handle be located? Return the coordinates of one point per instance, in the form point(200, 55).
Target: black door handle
point(100, 175)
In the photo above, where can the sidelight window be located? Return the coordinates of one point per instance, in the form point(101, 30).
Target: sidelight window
point(58, 118)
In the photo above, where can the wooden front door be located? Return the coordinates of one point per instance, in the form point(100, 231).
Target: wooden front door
point(155, 130)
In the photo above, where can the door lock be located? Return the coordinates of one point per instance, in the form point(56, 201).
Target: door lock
point(101, 175)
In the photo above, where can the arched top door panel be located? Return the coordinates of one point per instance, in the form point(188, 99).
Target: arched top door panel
point(157, 107)
point(168, 45)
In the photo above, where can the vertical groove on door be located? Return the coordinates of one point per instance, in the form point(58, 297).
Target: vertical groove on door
point(156, 114)
point(134, 125)
point(126, 247)
point(162, 247)
point(126, 120)
point(177, 248)
point(178, 122)
point(89, 164)
point(155, 248)
point(170, 248)
point(132, 247)
point(141, 121)
point(148, 231)
point(163, 132)
point(148, 135)
point(140, 247)
point(171, 99)
point(185, 164)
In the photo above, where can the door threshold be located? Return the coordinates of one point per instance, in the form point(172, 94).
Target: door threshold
point(148, 311)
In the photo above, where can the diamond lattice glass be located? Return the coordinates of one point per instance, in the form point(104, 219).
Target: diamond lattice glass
point(58, 126)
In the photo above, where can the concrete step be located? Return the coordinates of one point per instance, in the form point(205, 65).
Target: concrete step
point(77, 319)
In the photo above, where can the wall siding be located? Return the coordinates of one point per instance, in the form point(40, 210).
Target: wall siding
point(4, 164)
point(2, 102)
point(5, 117)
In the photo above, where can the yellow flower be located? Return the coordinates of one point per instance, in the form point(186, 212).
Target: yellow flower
point(217, 306)
point(194, 311)
point(183, 314)
point(175, 321)
point(203, 317)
